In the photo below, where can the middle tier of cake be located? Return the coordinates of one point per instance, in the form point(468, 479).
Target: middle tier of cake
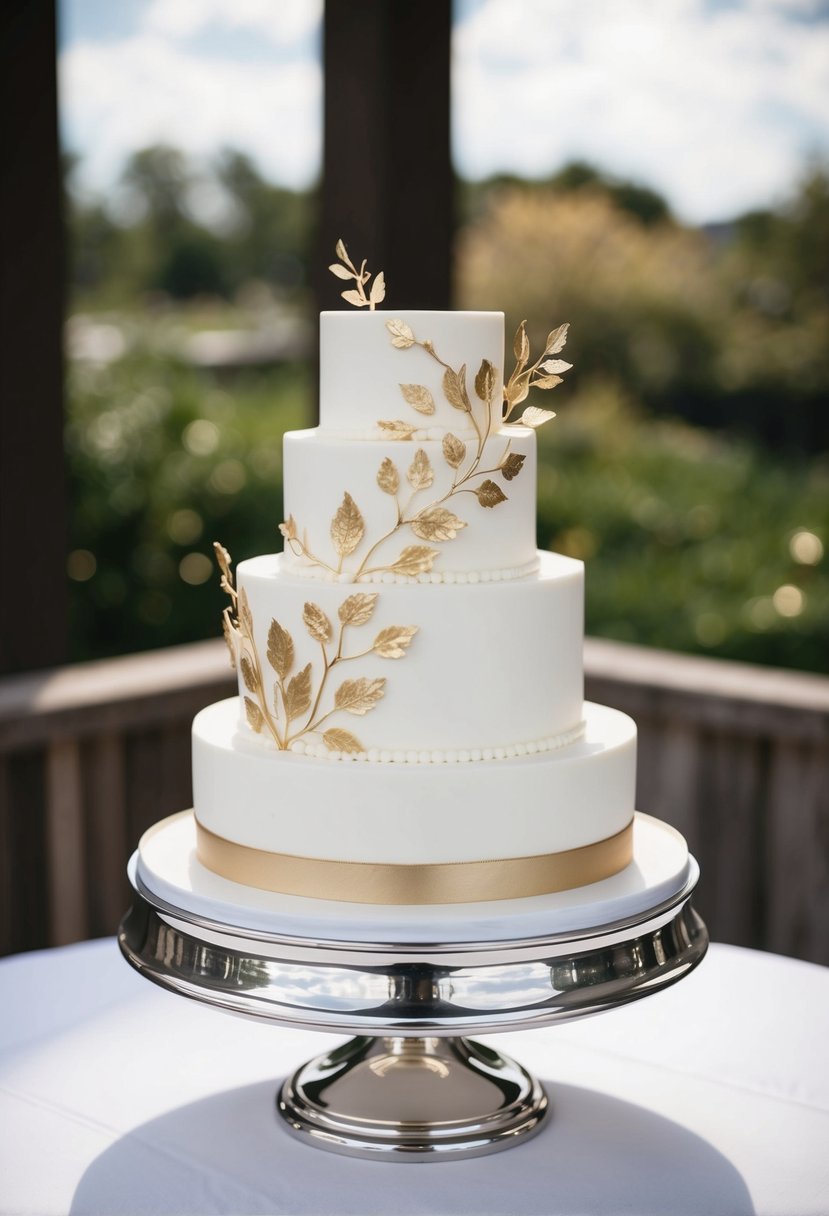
point(412, 672)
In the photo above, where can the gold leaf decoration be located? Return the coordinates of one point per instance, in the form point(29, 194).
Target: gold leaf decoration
point(436, 523)
point(454, 450)
point(388, 478)
point(289, 528)
point(337, 740)
point(358, 609)
point(392, 643)
point(415, 559)
point(341, 252)
point(397, 429)
point(489, 494)
point(280, 649)
point(254, 715)
point(485, 381)
point(521, 344)
point(535, 417)
point(556, 367)
point(245, 613)
point(229, 632)
point(378, 290)
point(419, 398)
point(420, 475)
point(556, 339)
point(347, 526)
point(317, 623)
point(517, 389)
point(298, 694)
point(401, 335)
point(248, 674)
point(224, 559)
point(454, 389)
point(354, 297)
point(546, 381)
point(342, 272)
point(512, 465)
point(359, 696)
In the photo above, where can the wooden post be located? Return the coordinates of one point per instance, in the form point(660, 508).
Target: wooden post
point(33, 615)
point(387, 185)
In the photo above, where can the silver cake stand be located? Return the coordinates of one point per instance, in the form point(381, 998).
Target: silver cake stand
point(411, 1085)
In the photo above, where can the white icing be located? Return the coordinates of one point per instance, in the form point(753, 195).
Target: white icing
point(318, 470)
point(361, 372)
point(318, 574)
point(438, 757)
point(484, 661)
point(384, 810)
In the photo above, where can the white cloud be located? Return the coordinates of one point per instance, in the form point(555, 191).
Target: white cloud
point(717, 109)
point(118, 97)
point(283, 22)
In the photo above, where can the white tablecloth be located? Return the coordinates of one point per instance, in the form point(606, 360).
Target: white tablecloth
point(711, 1098)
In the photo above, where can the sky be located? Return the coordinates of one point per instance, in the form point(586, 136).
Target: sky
point(717, 104)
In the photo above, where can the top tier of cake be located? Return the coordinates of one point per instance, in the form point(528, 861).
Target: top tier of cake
point(361, 369)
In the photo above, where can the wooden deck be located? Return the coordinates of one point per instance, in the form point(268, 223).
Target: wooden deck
point(736, 757)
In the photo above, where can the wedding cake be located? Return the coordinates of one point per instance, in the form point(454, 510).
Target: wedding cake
point(411, 725)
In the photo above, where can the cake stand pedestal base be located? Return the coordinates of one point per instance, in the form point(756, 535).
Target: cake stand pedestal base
point(418, 1098)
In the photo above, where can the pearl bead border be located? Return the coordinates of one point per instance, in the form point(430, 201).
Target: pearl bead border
point(509, 574)
point(476, 755)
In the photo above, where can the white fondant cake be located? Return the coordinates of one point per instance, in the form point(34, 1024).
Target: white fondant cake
point(410, 726)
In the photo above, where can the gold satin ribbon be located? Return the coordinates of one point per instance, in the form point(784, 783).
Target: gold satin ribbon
point(456, 882)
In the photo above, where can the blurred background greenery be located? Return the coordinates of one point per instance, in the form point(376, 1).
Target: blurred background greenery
point(688, 463)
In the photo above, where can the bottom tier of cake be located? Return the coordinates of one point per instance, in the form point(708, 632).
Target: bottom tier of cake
point(414, 833)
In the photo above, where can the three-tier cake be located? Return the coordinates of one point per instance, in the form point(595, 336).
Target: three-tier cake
point(411, 725)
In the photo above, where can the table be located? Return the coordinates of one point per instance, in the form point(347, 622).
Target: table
point(710, 1099)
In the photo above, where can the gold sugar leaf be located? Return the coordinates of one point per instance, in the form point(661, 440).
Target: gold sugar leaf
point(354, 297)
point(521, 345)
point(516, 391)
point(388, 478)
point(254, 715)
point(280, 649)
point(397, 429)
point(535, 417)
point(454, 450)
point(347, 526)
point(436, 523)
point(489, 494)
point(298, 694)
point(454, 389)
point(512, 465)
point(401, 335)
point(420, 475)
point(317, 623)
point(358, 609)
point(415, 559)
point(359, 696)
point(485, 381)
point(248, 674)
point(546, 381)
point(340, 271)
point(289, 528)
point(224, 559)
point(392, 643)
point(556, 339)
point(337, 740)
point(245, 613)
point(229, 632)
point(419, 398)
point(378, 290)
point(556, 367)
point(341, 252)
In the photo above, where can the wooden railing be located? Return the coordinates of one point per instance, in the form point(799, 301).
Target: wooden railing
point(736, 757)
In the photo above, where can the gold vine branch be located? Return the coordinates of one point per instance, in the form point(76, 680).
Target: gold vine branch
point(432, 522)
point(545, 373)
point(296, 710)
point(345, 269)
